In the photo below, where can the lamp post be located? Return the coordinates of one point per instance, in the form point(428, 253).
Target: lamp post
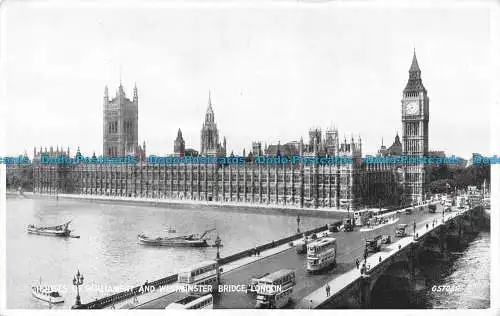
point(77, 281)
point(414, 228)
point(218, 244)
point(365, 256)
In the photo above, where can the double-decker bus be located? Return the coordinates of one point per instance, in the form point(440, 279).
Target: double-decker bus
point(275, 290)
point(321, 254)
point(193, 302)
point(200, 278)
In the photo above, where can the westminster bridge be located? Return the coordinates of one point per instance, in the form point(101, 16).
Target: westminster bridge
point(350, 286)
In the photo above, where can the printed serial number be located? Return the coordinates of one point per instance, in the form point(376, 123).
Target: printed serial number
point(446, 288)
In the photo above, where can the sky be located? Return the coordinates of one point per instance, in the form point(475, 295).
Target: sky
point(273, 72)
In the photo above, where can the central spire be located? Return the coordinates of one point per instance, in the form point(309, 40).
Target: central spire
point(209, 116)
point(414, 85)
point(414, 63)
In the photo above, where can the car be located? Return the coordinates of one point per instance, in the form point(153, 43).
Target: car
point(386, 239)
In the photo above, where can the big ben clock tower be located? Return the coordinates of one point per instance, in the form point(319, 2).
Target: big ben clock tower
point(415, 119)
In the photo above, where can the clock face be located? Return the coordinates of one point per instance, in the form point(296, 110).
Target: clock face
point(412, 108)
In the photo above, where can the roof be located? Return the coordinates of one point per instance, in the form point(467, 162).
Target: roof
point(199, 265)
point(276, 275)
point(322, 241)
point(414, 63)
point(414, 81)
point(187, 299)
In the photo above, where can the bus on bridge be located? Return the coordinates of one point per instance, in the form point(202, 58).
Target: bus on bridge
point(321, 254)
point(275, 290)
point(200, 278)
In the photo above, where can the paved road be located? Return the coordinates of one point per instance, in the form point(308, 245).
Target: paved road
point(350, 247)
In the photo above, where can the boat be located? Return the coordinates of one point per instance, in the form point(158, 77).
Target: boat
point(59, 230)
point(46, 293)
point(192, 240)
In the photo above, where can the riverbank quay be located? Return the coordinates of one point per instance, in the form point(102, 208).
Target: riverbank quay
point(190, 204)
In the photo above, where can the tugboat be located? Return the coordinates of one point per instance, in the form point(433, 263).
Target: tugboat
point(58, 231)
point(46, 293)
point(192, 240)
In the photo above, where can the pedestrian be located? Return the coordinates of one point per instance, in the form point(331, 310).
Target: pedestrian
point(311, 304)
point(380, 259)
point(357, 263)
point(327, 290)
point(427, 226)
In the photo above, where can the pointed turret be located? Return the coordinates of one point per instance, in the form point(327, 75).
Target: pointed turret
point(136, 97)
point(120, 91)
point(179, 144)
point(397, 140)
point(209, 116)
point(106, 94)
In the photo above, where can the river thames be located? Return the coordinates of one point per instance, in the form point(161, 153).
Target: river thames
point(109, 256)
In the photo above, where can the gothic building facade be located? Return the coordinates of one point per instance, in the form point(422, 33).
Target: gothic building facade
point(209, 143)
point(120, 124)
point(350, 185)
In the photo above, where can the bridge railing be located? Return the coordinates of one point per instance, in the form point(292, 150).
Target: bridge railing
point(117, 297)
point(270, 245)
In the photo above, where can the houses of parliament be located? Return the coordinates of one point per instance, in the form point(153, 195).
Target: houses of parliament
point(332, 186)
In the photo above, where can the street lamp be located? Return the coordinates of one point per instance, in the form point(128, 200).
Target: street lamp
point(365, 256)
point(218, 244)
point(414, 228)
point(77, 281)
